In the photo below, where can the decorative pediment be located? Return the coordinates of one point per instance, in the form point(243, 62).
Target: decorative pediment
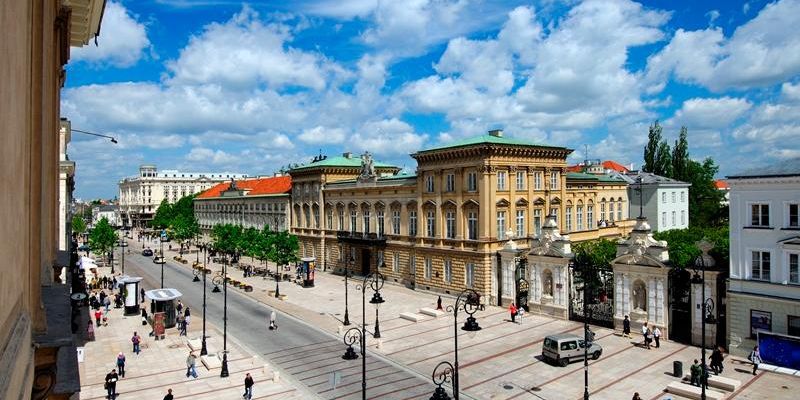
point(449, 203)
point(638, 259)
point(429, 203)
point(539, 201)
point(641, 249)
point(353, 204)
point(411, 204)
point(503, 203)
point(340, 205)
point(380, 204)
point(365, 204)
point(555, 201)
point(471, 203)
point(395, 204)
point(792, 243)
point(522, 202)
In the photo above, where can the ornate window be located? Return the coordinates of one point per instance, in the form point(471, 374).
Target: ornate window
point(520, 223)
point(412, 223)
point(396, 222)
point(501, 225)
point(472, 181)
point(353, 220)
point(537, 180)
point(450, 183)
point(450, 224)
point(568, 218)
point(366, 220)
point(520, 180)
point(429, 183)
point(469, 274)
point(537, 221)
point(472, 225)
point(428, 268)
point(579, 217)
point(590, 216)
point(501, 180)
point(430, 221)
point(760, 267)
point(448, 270)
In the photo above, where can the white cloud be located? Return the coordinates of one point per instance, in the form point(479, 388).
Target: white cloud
point(762, 52)
point(387, 137)
point(208, 156)
point(322, 135)
point(699, 113)
point(712, 15)
point(790, 92)
point(122, 41)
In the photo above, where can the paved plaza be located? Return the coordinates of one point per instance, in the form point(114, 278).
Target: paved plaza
point(501, 361)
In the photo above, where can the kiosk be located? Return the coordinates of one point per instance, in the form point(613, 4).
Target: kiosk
point(163, 301)
point(308, 267)
point(130, 293)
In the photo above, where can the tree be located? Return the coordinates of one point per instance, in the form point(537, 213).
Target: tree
point(78, 224)
point(651, 149)
point(164, 215)
point(184, 228)
point(597, 254)
point(705, 207)
point(103, 238)
point(682, 244)
point(284, 248)
point(680, 157)
point(663, 160)
point(224, 238)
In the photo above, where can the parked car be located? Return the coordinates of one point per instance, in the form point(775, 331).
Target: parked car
point(564, 348)
point(159, 260)
point(147, 253)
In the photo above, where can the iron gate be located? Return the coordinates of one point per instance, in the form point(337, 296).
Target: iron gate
point(598, 284)
point(680, 319)
point(522, 293)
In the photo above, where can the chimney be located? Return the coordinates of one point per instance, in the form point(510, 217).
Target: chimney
point(496, 132)
point(347, 154)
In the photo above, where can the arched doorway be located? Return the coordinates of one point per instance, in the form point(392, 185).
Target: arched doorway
point(680, 319)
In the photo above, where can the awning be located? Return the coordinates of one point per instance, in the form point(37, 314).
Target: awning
point(163, 294)
point(130, 279)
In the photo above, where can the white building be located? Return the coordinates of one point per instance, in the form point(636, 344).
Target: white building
point(140, 196)
point(663, 201)
point(764, 285)
point(252, 203)
point(107, 211)
point(66, 184)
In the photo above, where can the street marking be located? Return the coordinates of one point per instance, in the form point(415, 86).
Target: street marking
point(637, 371)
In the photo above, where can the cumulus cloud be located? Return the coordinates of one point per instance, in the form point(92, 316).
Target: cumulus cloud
point(764, 51)
point(122, 41)
point(709, 112)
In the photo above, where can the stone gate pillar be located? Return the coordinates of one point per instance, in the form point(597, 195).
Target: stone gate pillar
point(641, 280)
point(548, 271)
point(506, 276)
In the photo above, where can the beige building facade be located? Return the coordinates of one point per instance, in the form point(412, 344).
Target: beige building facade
point(251, 203)
point(140, 196)
point(441, 228)
point(37, 357)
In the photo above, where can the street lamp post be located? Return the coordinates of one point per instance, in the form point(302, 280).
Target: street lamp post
point(162, 259)
point(122, 250)
point(377, 332)
point(469, 301)
point(706, 308)
point(351, 260)
point(277, 280)
point(353, 335)
point(224, 370)
point(587, 270)
point(203, 348)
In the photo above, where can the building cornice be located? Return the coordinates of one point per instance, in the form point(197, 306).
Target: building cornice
point(487, 150)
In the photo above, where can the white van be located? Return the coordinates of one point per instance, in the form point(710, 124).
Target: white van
point(562, 349)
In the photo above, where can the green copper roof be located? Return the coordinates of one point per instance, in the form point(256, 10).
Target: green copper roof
point(341, 161)
point(488, 139)
point(582, 176)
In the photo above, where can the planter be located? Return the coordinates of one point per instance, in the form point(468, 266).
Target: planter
point(207, 270)
point(248, 288)
point(184, 261)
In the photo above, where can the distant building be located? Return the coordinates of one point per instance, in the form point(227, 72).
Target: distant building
point(723, 187)
point(66, 184)
point(250, 203)
point(107, 211)
point(140, 196)
point(663, 201)
point(599, 167)
point(764, 285)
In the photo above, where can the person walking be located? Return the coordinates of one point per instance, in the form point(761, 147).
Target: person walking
point(520, 313)
point(626, 327)
point(107, 302)
point(111, 384)
point(190, 365)
point(121, 364)
point(137, 341)
point(695, 371)
point(636, 396)
point(272, 317)
point(179, 307)
point(644, 334)
point(141, 292)
point(98, 316)
point(512, 309)
point(716, 360)
point(90, 331)
point(248, 387)
point(755, 358)
point(657, 335)
point(169, 396)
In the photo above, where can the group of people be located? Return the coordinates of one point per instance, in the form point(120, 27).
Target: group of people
point(184, 317)
point(650, 333)
point(516, 312)
point(103, 282)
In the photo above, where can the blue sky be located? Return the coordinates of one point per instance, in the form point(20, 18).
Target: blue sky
point(218, 85)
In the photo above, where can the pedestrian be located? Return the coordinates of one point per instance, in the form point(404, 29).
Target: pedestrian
point(248, 387)
point(626, 327)
point(102, 297)
point(636, 396)
point(439, 303)
point(180, 324)
point(190, 365)
point(512, 309)
point(107, 302)
point(168, 396)
point(141, 292)
point(644, 334)
point(121, 364)
point(520, 313)
point(187, 318)
point(657, 335)
point(716, 360)
point(755, 358)
point(272, 317)
point(144, 316)
point(179, 307)
point(98, 316)
point(90, 331)
point(111, 384)
point(137, 341)
point(704, 375)
point(695, 371)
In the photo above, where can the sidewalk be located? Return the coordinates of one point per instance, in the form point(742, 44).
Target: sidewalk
point(161, 364)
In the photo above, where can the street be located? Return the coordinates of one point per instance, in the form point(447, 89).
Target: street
point(306, 353)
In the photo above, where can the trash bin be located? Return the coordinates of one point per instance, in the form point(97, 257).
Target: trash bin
point(677, 369)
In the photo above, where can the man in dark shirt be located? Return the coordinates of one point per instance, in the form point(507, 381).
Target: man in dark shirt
point(111, 384)
point(248, 387)
point(168, 396)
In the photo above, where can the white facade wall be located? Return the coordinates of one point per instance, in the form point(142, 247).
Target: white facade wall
point(658, 205)
point(251, 212)
point(776, 293)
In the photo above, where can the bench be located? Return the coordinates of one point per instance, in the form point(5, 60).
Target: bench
point(719, 382)
point(411, 317)
point(211, 361)
point(692, 392)
point(431, 312)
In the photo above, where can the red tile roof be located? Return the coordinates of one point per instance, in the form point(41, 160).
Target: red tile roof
point(253, 187)
point(721, 184)
point(608, 164)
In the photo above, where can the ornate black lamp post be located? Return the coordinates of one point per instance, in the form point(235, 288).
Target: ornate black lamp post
point(203, 349)
point(354, 335)
point(706, 316)
point(587, 272)
point(351, 260)
point(277, 279)
point(469, 301)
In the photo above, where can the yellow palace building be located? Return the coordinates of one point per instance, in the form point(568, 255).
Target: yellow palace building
point(441, 228)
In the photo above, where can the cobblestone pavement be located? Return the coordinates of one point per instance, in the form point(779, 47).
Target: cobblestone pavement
point(502, 361)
